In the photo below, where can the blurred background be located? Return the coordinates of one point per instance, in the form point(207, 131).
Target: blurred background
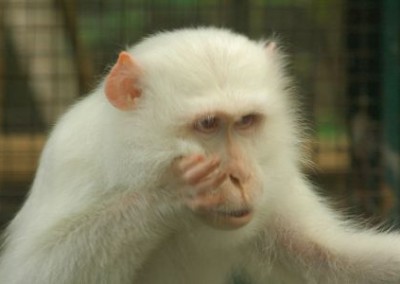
point(345, 57)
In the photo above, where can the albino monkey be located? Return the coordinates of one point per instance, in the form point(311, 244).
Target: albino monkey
point(183, 166)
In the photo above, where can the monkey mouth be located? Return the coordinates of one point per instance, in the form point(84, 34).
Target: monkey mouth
point(234, 213)
point(230, 219)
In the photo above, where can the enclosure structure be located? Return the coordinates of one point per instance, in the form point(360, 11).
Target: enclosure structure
point(344, 56)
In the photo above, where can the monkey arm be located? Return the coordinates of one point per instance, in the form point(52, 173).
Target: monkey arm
point(92, 246)
point(313, 245)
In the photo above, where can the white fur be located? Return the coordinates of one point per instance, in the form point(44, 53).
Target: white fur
point(102, 206)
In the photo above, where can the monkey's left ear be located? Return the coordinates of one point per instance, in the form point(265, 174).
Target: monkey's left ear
point(121, 85)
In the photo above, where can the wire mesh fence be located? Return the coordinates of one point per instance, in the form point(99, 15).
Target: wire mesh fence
point(54, 51)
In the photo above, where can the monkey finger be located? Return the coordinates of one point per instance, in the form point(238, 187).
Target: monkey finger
point(206, 188)
point(205, 203)
point(184, 163)
point(201, 170)
point(211, 185)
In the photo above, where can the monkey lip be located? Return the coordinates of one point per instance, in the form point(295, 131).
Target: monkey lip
point(226, 219)
point(241, 213)
point(231, 219)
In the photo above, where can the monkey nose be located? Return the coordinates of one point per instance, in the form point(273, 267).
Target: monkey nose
point(241, 188)
point(235, 181)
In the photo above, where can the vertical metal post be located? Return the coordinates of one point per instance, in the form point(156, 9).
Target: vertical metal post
point(391, 97)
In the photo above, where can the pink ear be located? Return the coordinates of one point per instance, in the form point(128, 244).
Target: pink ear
point(270, 46)
point(121, 83)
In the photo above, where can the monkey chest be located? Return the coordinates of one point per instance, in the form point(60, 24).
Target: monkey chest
point(175, 263)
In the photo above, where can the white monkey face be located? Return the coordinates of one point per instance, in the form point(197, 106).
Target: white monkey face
point(230, 104)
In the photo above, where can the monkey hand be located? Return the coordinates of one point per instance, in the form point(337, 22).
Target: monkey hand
point(205, 189)
point(200, 179)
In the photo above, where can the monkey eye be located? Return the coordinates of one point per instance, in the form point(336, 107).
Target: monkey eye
point(207, 124)
point(247, 121)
